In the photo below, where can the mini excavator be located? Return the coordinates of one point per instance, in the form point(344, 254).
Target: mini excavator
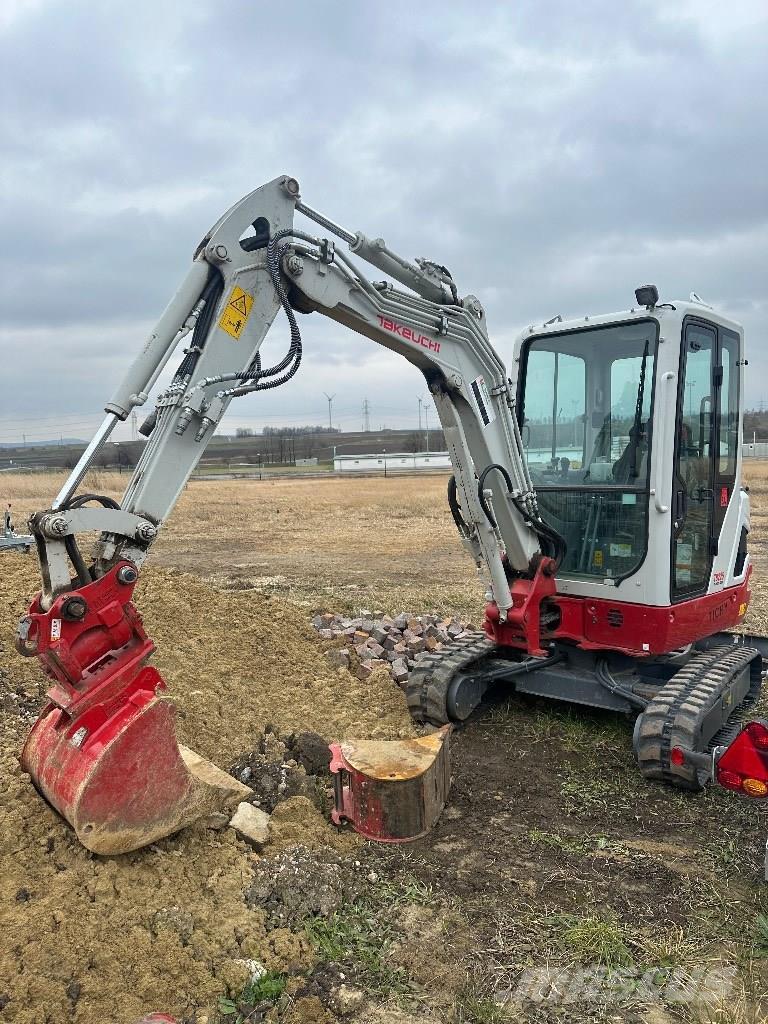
point(598, 491)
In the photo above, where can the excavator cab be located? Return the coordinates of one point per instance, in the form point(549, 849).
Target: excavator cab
point(631, 425)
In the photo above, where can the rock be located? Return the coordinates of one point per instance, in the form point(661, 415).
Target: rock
point(346, 999)
point(399, 670)
point(338, 657)
point(360, 637)
point(379, 634)
point(376, 649)
point(326, 634)
point(389, 641)
point(251, 824)
point(327, 619)
point(364, 669)
point(368, 625)
point(401, 621)
point(432, 644)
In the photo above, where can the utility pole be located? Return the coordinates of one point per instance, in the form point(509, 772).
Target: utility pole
point(330, 399)
point(426, 425)
point(419, 415)
point(134, 426)
point(366, 415)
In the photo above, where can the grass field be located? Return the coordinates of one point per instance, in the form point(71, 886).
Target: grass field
point(554, 858)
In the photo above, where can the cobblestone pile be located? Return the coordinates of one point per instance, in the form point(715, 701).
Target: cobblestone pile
point(373, 639)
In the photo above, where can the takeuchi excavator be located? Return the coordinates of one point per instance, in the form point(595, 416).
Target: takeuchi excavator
point(597, 489)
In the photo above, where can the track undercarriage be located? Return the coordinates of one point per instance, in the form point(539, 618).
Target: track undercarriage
point(687, 703)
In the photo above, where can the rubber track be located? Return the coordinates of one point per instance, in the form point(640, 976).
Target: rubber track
point(431, 677)
point(674, 716)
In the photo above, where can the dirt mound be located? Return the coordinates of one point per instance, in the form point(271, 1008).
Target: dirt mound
point(103, 941)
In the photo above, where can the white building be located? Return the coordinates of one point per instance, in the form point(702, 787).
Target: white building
point(395, 462)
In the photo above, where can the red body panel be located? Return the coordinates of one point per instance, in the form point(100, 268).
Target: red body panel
point(633, 629)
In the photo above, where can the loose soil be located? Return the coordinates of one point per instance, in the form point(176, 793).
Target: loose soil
point(99, 940)
point(549, 830)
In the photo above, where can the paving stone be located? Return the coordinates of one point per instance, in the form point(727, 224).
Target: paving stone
point(399, 670)
point(251, 824)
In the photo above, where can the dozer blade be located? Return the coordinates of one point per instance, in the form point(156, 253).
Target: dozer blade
point(118, 775)
point(392, 791)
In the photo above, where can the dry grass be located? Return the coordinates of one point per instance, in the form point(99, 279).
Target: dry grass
point(341, 543)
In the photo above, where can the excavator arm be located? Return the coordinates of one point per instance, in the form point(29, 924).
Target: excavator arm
point(225, 307)
point(83, 626)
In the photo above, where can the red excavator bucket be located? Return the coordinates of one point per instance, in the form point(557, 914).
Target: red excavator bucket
point(104, 751)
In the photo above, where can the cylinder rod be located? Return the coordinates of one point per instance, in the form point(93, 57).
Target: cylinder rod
point(326, 222)
point(86, 459)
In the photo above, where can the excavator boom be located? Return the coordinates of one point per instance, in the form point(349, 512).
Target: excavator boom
point(107, 717)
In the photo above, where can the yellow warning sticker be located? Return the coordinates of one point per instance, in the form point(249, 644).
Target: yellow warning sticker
point(236, 313)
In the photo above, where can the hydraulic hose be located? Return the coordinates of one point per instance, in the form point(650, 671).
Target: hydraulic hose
point(605, 679)
point(551, 540)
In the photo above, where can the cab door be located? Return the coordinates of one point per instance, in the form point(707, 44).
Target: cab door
point(705, 452)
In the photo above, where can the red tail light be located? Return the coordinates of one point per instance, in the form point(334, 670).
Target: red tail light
point(744, 765)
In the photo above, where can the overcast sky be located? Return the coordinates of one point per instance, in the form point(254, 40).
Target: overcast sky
point(553, 155)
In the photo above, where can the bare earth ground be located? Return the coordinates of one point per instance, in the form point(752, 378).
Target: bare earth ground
point(553, 852)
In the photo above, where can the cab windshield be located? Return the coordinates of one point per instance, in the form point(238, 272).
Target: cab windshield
point(586, 407)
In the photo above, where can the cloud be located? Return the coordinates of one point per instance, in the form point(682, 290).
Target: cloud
point(552, 159)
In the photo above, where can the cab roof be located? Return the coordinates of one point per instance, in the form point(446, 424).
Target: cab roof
point(676, 309)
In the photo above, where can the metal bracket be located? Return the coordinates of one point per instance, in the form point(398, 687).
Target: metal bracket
point(327, 251)
point(56, 525)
